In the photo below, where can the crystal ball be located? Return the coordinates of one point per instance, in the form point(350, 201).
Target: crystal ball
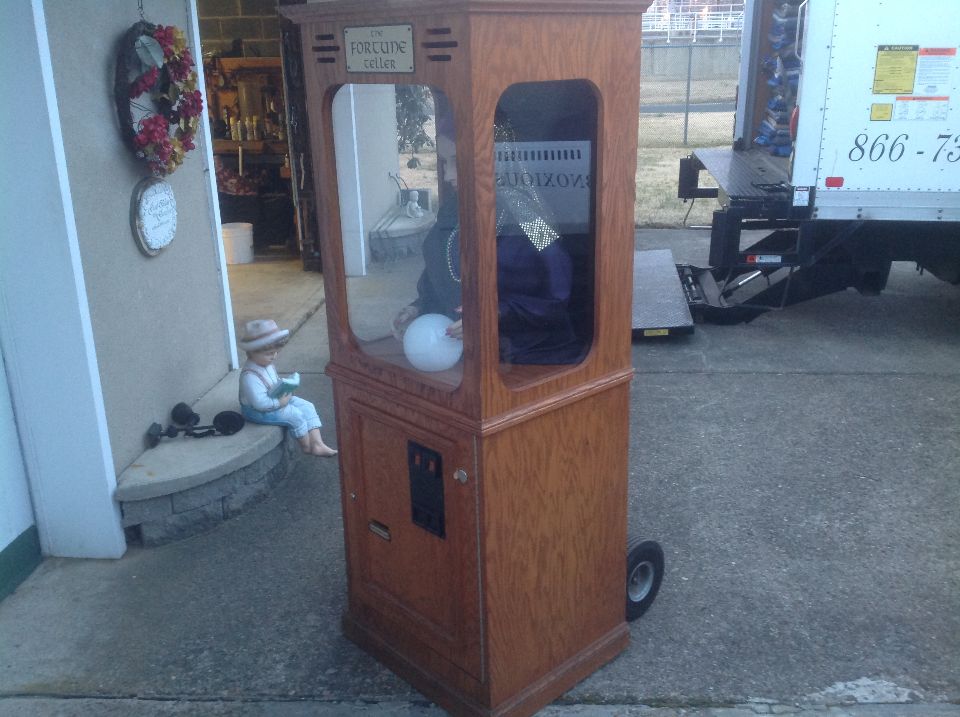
point(427, 346)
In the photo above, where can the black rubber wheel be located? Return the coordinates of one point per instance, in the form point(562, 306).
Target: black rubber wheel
point(644, 575)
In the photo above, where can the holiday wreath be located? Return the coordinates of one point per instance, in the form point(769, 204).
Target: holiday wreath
point(158, 102)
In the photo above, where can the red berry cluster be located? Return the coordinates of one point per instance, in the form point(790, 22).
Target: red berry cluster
point(190, 105)
point(153, 130)
point(164, 35)
point(180, 67)
point(145, 82)
point(173, 86)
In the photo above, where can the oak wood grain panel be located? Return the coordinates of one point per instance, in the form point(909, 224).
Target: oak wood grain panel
point(420, 584)
point(605, 52)
point(553, 516)
point(417, 663)
point(323, 80)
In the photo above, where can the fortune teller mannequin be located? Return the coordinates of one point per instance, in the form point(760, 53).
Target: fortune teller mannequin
point(262, 341)
point(534, 271)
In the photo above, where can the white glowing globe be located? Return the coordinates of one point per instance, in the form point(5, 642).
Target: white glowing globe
point(427, 346)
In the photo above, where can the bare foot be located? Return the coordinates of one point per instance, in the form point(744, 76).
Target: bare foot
point(319, 448)
point(325, 452)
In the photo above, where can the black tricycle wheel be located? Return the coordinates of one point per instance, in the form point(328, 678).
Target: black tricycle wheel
point(644, 575)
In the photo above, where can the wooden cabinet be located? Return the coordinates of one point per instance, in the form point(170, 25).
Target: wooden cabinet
point(485, 504)
point(411, 528)
point(522, 594)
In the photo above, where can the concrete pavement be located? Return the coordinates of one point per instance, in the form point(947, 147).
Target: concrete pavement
point(800, 471)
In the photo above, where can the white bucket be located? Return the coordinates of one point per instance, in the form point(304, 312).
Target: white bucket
point(238, 242)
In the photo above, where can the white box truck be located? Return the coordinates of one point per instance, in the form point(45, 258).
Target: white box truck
point(846, 152)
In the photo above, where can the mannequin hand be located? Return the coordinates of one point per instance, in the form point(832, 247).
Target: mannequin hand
point(284, 399)
point(403, 319)
point(455, 330)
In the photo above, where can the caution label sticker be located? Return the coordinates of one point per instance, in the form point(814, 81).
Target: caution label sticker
point(881, 112)
point(935, 67)
point(921, 108)
point(896, 69)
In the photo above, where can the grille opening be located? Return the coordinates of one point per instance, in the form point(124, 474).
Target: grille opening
point(321, 38)
point(326, 48)
point(439, 58)
point(326, 60)
point(438, 30)
point(440, 45)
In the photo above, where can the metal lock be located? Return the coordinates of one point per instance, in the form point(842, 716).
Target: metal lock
point(460, 476)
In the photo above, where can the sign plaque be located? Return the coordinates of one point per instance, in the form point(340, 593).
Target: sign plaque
point(382, 48)
point(153, 215)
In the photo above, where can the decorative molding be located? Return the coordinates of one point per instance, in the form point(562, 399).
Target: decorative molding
point(331, 9)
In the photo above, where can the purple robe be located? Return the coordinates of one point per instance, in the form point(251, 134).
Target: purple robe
point(534, 289)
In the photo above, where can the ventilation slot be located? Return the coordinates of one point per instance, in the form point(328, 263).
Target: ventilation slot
point(326, 51)
point(439, 44)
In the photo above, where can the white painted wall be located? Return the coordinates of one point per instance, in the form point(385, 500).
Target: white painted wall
point(16, 513)
point(45, 327)
point(365, 142)
point(159, 323)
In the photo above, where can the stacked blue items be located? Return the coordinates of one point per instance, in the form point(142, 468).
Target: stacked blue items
point(768, 64)
point(782, 36)
point(779, 73)
point(791, 70)
point(775, 136)
point(786, 13)
point(786, 72)
point(782, 68)
point(778, 103)
point(772, 134)
point(783, 26)
point(778, 118)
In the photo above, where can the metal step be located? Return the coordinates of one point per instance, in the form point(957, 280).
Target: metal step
point(659, 302)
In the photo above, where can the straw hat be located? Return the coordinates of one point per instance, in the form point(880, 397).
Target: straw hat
point(261, 334)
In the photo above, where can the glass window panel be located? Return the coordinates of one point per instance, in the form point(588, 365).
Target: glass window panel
point(545, 134)
point(396, 175)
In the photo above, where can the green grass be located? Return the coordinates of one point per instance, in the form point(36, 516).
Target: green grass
point(658, 167)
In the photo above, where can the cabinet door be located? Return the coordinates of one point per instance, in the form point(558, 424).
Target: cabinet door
point(412, 534)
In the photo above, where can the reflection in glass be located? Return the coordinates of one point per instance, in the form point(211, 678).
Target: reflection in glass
point(544, 134)
point(396, 168)
point(397, 178)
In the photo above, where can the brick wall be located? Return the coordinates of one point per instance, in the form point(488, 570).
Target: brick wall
point(255, 22)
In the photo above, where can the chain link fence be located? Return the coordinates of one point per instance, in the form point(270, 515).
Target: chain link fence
point(687, 100)
point(687, 94)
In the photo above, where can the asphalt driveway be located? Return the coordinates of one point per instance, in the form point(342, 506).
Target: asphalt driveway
point(802, 473)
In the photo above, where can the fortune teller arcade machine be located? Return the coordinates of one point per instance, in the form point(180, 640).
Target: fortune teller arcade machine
point(480, 333)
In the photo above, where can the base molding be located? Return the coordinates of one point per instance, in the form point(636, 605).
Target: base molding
point(522, 704)
point(19, 559)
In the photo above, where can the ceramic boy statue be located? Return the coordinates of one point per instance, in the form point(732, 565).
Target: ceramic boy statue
point(262, 342)
point(413, 208)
